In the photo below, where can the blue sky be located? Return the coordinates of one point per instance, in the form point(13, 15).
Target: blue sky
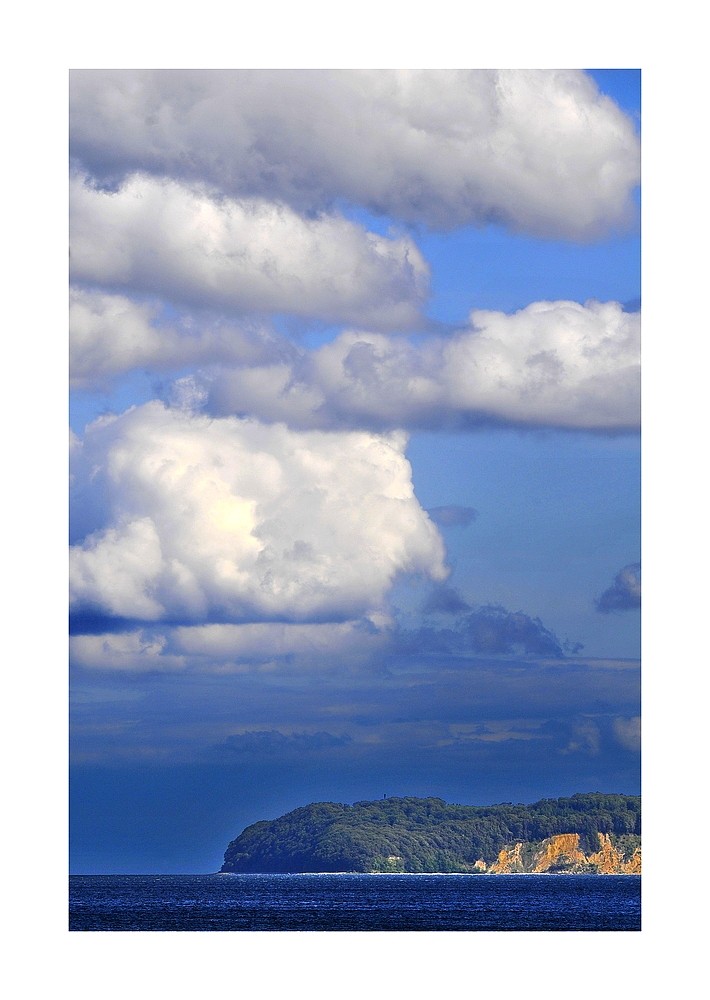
point(356, 461)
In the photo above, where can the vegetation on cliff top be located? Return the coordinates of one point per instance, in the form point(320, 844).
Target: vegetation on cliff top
point(426, 834)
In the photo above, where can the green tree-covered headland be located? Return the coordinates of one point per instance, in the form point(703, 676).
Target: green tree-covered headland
point(584, 833)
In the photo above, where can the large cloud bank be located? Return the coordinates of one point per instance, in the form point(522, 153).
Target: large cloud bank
point(551, 364)
point(187, 518)
point(204, 204)
point(211, 217)
point(541, 151)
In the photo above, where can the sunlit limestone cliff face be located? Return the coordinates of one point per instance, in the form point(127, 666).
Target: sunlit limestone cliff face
point(558, 853)
point(509, 861)
point(610, 860)
point(562, 853)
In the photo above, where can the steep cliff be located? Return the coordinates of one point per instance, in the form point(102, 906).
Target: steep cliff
point(509, 861)
point(624, 859)
point(562, 854)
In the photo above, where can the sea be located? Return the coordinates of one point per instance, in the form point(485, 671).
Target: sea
point(351, 902)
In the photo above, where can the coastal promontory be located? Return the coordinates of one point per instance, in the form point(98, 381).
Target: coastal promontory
point(591, 833)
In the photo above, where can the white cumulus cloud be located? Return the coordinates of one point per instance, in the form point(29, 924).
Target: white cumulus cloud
point(113, 334)
point(223, 649)
point(552, 364)
point(228, 519)
point(134, 652)
point(541, 151)
point(174, 241)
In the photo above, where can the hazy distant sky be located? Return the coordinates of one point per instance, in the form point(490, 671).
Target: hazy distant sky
point(355, 446)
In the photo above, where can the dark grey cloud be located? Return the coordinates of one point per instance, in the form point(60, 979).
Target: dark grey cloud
point(452, 515)
point(485, 630)
point(493, 629)
point(624, 593)
point(445, 600)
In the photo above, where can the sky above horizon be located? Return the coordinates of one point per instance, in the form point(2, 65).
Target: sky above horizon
point(355, 495)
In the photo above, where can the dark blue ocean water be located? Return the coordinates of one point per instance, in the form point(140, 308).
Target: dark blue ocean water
point(355, 903)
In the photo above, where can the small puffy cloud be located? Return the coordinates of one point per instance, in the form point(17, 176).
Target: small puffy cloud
point(585, 737)
point(552, 364)
point(540, 151)
point(197, 519)
point(597, 733)
point(166, 239)
point(625, 592)
point(628, 732)
point(452, 515)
